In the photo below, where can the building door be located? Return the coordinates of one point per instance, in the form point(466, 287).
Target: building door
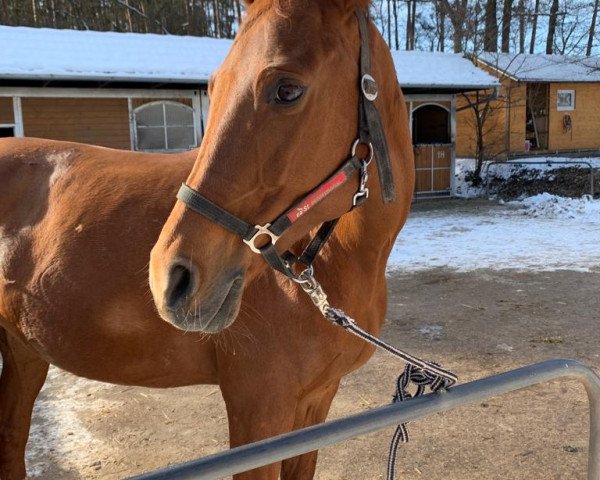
point(536, 128)
point(433, 150)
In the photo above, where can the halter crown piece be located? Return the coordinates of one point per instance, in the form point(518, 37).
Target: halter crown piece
point(370, 134)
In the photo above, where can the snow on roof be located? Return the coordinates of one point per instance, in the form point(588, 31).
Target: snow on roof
point(544, 68)
point(44, 53)
point(440, 71)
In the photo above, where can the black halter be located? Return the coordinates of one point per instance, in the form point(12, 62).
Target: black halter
point(370, 133)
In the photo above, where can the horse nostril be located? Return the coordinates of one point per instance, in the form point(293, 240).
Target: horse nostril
point(179, 286)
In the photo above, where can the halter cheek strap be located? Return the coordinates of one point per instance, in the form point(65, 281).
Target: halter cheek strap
point(370, 126)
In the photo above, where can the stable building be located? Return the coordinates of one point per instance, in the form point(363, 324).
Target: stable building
point(121, 90)
point(148, 92)
point(433, 83)
point(546, 104)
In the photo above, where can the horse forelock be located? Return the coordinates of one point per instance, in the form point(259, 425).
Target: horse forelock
point(286, 8)
point(299, 31)
point(284, 5)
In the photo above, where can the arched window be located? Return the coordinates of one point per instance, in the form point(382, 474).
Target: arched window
point(164, 126)
point(431, 124)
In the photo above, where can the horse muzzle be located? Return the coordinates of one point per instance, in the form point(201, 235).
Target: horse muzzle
point(190, 307)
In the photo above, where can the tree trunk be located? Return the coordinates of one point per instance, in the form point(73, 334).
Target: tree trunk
point(389, 22)
point(216, 18)
point(490, 36)
point(128, 13)
point(408, 23)
point(590, 43)
point(521, 8)
point(413, 24)
point(551, 27)
point(536, 10)
point(34, 12)
point(457, 13)
point(506, 18)
point(238, 10)
point(395, 9)
point(442, 26)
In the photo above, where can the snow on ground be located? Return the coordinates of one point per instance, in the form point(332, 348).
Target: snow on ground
point(61, 431)
point(540, 233)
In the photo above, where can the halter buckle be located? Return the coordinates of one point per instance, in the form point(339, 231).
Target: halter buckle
point(261, 230)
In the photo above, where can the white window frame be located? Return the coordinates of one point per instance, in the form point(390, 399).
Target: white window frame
point(563, 108)
point(164, 103)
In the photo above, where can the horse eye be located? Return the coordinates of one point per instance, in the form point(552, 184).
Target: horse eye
point(289, 93)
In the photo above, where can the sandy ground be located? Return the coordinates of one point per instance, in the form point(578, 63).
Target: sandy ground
point(476, 323)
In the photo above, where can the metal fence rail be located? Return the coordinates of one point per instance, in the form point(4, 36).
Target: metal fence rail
point(295, 443)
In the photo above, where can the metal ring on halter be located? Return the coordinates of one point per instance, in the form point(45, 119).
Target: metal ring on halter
point(356, 143)
point(368, 85)
point(306, 276)
point(261, 230)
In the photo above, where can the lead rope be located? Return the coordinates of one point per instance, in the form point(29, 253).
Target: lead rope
point(418, 372)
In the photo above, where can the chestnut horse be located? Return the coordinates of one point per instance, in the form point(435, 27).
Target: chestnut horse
point(285, 110)
point(77, 224)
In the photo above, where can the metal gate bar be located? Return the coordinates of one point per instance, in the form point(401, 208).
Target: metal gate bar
point(295, 443)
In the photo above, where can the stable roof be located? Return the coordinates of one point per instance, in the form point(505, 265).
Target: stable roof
point(449, 72)
point(543, 68)
point(44, 54)
point(51, 54)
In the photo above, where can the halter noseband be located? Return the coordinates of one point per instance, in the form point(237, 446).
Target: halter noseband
point(370, 133)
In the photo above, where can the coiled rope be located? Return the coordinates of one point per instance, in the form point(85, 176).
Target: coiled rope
point(421, 373)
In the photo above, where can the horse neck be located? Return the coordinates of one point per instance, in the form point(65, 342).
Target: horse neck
point(369, 231)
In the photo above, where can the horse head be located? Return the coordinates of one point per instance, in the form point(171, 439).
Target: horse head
point(283, 119)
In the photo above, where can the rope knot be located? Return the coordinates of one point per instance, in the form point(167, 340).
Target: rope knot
point(422, 378)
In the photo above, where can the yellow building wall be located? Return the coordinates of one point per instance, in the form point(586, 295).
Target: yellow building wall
point(504, 125)
point(517, 117)
point(6, 110)
point(585, 119)
point(98, 121)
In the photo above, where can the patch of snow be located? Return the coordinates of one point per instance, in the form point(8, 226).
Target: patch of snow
point(414, 69)
point(57, 429)
point(545, 68)
point(505, 347)
point(542, 233)
point(431, 332)
point(550, 206)
point(71, 54)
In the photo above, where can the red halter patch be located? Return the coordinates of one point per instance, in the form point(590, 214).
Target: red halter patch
point(315, 197)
